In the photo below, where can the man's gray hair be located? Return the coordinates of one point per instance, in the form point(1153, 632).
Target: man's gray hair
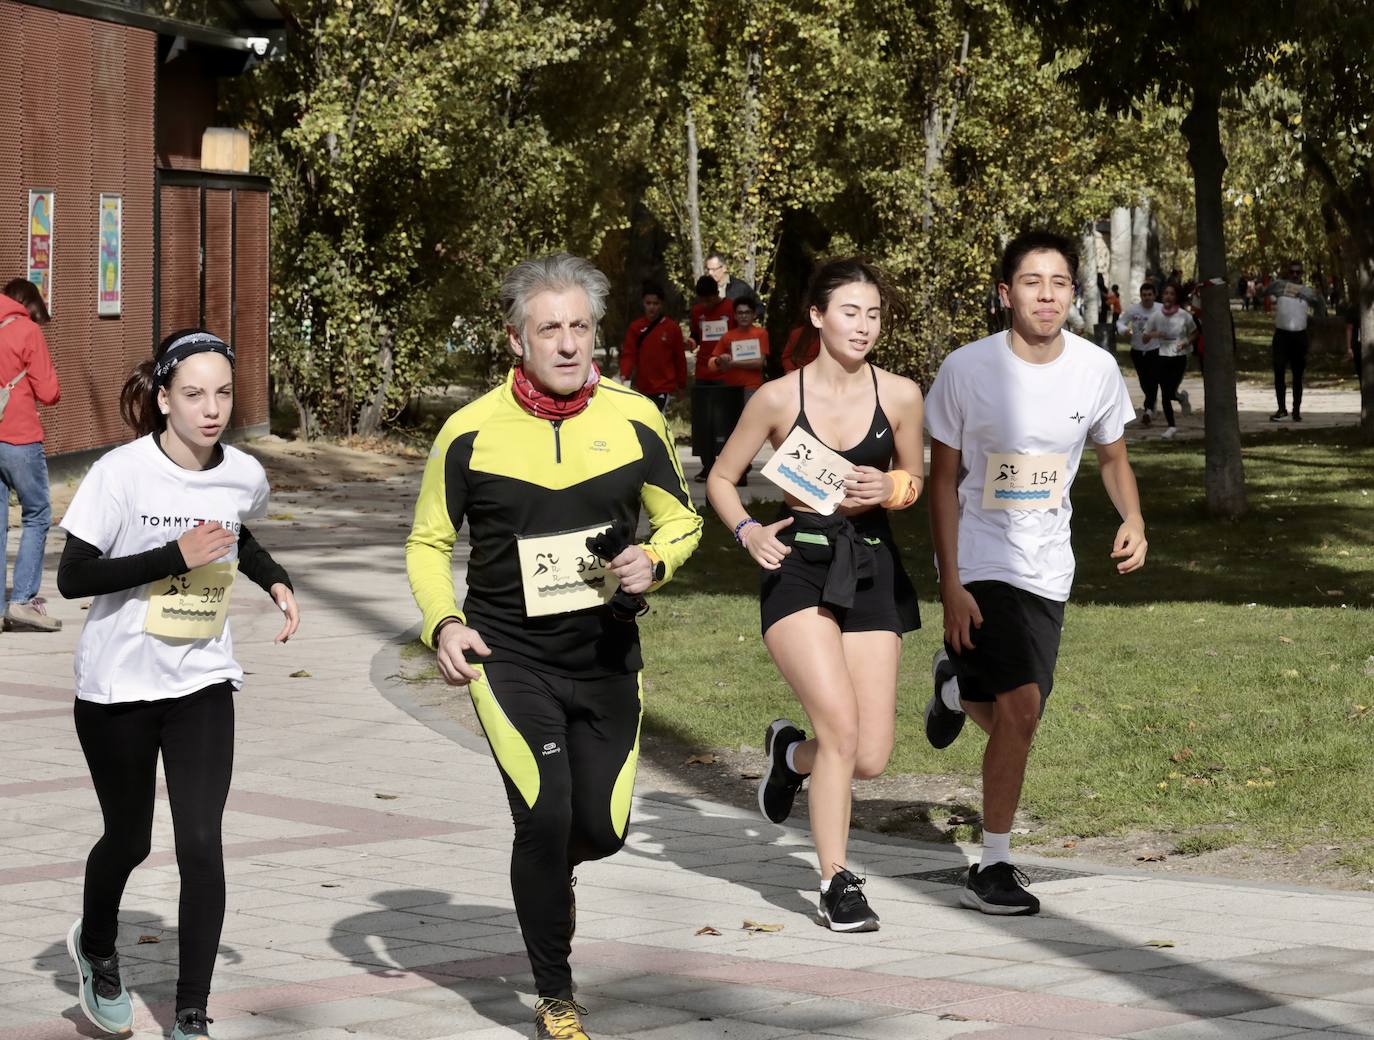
point(557, 272)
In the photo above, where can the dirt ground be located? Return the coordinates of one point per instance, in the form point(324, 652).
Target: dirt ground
point(922, 807)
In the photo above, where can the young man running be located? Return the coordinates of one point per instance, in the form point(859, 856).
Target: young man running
point(1290, 343)
point(549, 462)
point(1009, 416)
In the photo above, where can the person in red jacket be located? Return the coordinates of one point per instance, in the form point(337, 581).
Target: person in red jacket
point(803, 346)
point(712, 317)
point(652, 358)
point(27, 379)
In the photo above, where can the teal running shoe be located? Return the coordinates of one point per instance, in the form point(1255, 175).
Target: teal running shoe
point(104, 1000)
point(191, 1025)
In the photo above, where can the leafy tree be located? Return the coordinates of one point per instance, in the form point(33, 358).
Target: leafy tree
point(1192, 54)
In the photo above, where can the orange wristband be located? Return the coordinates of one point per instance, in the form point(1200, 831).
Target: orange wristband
point(903, 490)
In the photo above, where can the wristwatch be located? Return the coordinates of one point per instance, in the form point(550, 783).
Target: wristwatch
point(660, 568)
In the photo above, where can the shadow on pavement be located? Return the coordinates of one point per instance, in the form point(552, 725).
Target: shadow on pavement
point(1164, 982)
point(377, 941)
point(148, 969)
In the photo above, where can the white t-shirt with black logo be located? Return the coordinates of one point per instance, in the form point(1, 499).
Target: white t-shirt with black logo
point(985, 402)
point(134, 499)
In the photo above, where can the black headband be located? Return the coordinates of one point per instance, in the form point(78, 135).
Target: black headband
point(184, 347)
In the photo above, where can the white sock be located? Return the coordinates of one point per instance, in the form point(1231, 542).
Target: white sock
point(792, 762)
point(996, 849)
point(825, 885)
point(949, 693)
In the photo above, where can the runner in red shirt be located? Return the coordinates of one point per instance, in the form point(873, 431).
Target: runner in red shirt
point(746, 372)
point(803, 344)
point(707, 314)
point(651, 358)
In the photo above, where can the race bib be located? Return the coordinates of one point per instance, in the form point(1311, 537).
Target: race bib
point(808, 470)
point(1024, 481)
point(560, 574)
point(193, 605)
point(745, 350)
point(713, 330)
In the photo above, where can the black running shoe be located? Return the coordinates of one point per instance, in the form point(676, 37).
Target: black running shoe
point(1297, 415)
point(1000, 889)
point(1282, 413)
point(779, 785)
point(844, 907)
point(942, 724)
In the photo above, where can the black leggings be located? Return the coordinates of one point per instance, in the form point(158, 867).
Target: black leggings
point(1146, 365)
point(1170, 371)
point(567, 749)
point(1290, 348)
point(195, 734)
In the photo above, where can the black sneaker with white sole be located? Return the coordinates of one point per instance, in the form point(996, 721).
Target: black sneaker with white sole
point(998, 889)
point(779, 785)
point(942, 724)
point(844, 908)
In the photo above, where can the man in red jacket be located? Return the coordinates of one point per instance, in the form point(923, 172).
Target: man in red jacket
point(652, 356)
point(27, 379)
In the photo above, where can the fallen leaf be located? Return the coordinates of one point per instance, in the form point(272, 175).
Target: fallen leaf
point(149, 939)
point(1070, 845)
point(329, 884)
point(708, 930)
point(1150, 856)
point(1161, 944)
point(1291, 673)
point(301, 674)
point(750, 776)
point(950, 1016)
point(707, 759)
point(1284, 639)
point(1182, 755)
point(386, 797)
point(754, 926)
point(954, 819)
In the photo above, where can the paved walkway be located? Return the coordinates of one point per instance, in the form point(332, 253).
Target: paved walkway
point(368, 896)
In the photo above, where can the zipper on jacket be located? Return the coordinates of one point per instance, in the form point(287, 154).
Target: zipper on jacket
point(557, 441)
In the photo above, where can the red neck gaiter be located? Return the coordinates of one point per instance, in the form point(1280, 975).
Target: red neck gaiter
point(552, 407)
point(1171, 309)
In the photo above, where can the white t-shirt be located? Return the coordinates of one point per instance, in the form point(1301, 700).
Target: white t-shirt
point(1133, 319)
point(1176, 330)
point(987, 401)
point(134, 499)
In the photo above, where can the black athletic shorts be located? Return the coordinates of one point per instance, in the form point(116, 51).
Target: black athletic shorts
point(884, 600)
point(1017, 644)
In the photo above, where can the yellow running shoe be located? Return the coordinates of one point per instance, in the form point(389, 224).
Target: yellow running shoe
point(556, 1019)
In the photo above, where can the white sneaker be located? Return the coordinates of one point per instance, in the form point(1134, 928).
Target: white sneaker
point(1185, 403)
point(1169, 434)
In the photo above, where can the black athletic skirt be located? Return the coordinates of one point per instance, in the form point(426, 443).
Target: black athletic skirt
point(851, 567)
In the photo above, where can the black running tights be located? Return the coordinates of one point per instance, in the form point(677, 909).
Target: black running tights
point(195, 735)
point(1290, 351)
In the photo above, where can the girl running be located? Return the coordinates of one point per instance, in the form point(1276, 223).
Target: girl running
point(1171, 330)
point(835, 598)
point(154, 535)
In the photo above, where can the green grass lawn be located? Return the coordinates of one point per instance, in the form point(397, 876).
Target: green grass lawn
point(1226, 691)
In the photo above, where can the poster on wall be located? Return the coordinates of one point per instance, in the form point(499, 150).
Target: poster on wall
point(40, 242)
point(110, 289)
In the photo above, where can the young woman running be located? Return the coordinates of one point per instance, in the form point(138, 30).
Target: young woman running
point(1171, 331)
point(154, 534)
point(835, 598)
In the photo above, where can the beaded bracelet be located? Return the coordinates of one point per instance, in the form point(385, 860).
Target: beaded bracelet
point(739, 528)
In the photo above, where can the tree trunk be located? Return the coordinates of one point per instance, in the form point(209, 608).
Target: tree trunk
point(1224, 472)
point(749, 203)
point(1087, 277)
point(1120, 269)
point(1140, 242)
point(694, 196)
point(1364, 286)
point(370, 419)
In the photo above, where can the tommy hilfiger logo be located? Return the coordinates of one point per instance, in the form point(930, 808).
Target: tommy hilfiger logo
point(1077, 417)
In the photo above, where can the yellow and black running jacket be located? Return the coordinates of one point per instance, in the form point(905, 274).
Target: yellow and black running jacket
point(510, 474)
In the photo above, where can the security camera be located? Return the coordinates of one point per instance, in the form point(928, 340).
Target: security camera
point(257, 44)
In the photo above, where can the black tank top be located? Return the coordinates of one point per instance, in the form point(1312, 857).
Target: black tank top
point(876, 447)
